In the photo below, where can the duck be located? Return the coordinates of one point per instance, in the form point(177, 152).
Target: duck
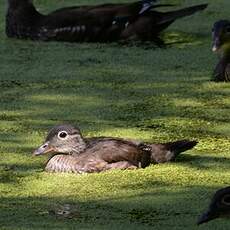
point(92, 23)
point(73, 153)
point(221, 45)
point(219, 206)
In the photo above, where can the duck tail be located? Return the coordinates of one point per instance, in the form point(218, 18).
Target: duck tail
point(162, 5)
point(173, 15)
point(180, 146)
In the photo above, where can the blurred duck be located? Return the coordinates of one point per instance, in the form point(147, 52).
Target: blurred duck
point(73, 153)
point(98, 23)
point(219, 206)
point(221, 44)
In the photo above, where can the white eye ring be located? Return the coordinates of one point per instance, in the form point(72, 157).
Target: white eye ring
point(62, 135)
point(226, 200)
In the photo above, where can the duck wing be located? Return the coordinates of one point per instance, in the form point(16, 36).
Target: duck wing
point(113, 150)
point(171, 16)
point(87, 23)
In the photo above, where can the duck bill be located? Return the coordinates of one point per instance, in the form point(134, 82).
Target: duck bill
point(45, 148)
point(206, 217)
point(216, 45)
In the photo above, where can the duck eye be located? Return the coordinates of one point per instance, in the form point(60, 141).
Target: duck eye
point(62, 134)
point(226, 200)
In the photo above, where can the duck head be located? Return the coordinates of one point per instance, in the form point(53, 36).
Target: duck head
point(219, 207)
point(221, 36)
point(62, 139)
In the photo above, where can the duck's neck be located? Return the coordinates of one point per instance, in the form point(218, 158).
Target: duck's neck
point(225, 50)
point(79, 147)
point(21, 18)
point(74, 150)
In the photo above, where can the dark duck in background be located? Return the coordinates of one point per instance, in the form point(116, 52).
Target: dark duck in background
point(73, 153)
point(99, 23)
point(219, 206)
point(221, 44)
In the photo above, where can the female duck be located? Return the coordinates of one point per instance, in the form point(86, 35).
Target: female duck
point(73, 153)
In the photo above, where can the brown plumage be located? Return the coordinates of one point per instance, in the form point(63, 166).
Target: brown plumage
point(86, 163)
point(76, 154)
point(100, 23)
